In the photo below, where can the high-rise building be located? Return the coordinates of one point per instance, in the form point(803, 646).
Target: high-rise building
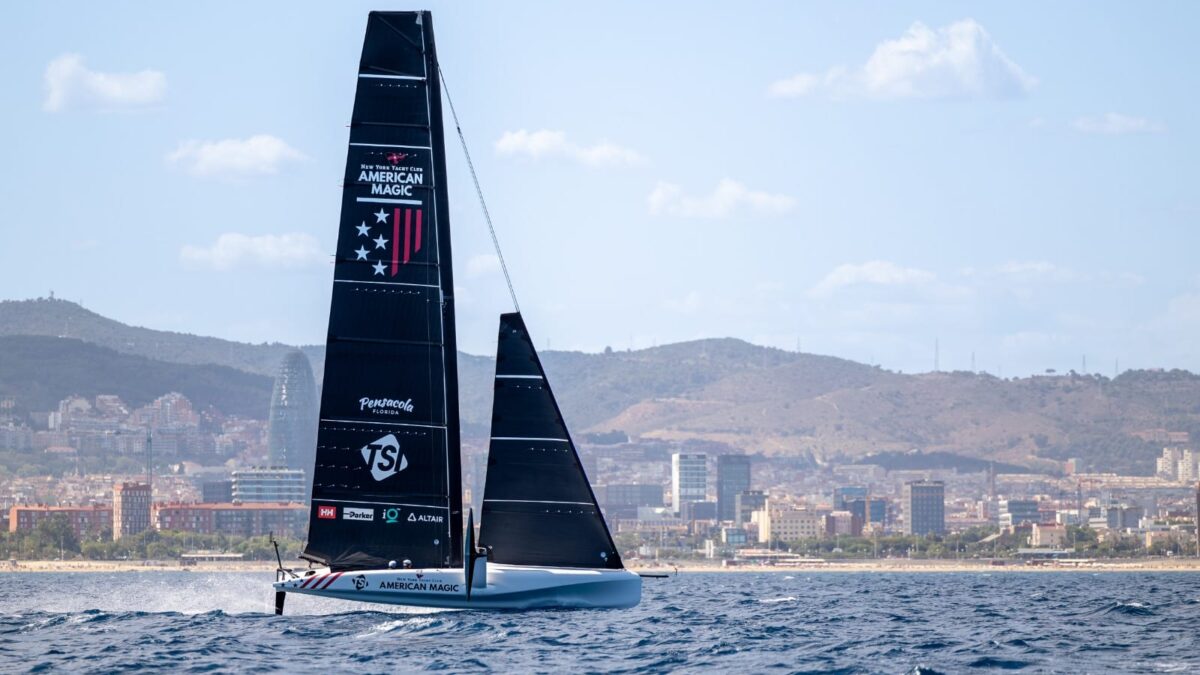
point(1019, 512)
point(862, 507)
point(733, 478)
point(131, 509)
point(846, 493)
point(924, 507)
point(1123, 516)
point(621, 500)
point(701, 510)
point(269, 486)
point(689, 478)
point(1187, 471)
point(746, 503)
point(292, 430)
point(1167, 466)
point(216, 491)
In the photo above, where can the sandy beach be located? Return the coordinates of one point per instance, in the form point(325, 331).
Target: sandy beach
point(882, 566)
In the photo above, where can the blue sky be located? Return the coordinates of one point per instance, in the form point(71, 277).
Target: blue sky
point(1015, 181)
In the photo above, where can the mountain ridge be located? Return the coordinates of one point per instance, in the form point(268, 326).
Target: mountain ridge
point(759, 399)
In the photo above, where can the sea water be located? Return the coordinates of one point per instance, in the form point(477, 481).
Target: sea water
point(715, 622)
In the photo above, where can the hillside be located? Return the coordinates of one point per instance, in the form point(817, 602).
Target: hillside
point(758, 399)
point(1022, 421)
point(62, 318)
point(38, 372)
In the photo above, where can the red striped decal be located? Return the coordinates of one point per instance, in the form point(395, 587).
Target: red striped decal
point(307, 581)
point(396, 242)
point(332, 578)
point(418, 246)
point(407, 233)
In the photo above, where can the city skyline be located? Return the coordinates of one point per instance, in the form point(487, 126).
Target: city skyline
point(1011, 202)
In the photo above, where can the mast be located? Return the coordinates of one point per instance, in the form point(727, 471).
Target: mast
point(387, 482)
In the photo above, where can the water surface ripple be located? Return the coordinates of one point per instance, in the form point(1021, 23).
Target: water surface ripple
point(750, 622)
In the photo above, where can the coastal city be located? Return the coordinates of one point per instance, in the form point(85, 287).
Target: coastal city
point(98, 472)
point(620, 337)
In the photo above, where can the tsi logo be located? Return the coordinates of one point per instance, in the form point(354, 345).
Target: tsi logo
point(326, 512)
point(349, 513)
point(360, 582)
point(383, 457)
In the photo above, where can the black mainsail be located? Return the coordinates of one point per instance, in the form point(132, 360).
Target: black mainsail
point(387, 483)
point(538, 508)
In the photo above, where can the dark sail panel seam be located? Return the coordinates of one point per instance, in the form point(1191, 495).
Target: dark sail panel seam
point(384, 283)
point(393, 77)
point(368, 423)
point(391, 145)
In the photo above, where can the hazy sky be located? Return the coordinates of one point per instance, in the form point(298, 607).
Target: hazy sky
point(1013, 180)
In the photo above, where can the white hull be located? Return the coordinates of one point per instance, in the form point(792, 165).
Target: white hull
point(507, 587)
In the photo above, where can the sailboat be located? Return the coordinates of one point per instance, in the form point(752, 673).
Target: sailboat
point(387, 521)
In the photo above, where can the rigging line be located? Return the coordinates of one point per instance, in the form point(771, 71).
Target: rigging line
point(478, 190)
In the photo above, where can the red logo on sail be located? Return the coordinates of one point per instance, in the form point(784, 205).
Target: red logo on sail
point(327, 512)
point(412, 236)
point(406, 239)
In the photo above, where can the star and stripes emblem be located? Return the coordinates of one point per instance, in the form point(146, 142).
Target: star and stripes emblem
point(384, 255)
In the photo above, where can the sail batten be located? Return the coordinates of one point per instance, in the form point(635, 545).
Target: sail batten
point(387, 481)
point(538, 507)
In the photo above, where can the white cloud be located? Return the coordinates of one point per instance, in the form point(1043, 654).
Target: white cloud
point(1028, 271)
point(482, 265)
point(232, 157)
point(268, 251)
point(955, 61)
point(544, 143)
point(1115, 124)
point(874, 273)
point(69, 84)
point(728, 198)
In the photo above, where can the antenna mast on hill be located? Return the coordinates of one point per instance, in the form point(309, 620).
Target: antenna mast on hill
point(936, 355)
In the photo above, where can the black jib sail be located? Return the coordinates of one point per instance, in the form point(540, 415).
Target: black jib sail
point(387, 484)
point(538, 508)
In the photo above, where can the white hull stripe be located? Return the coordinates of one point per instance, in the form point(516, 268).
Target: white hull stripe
point(381, 200)
point(520, 377)
point(522, 438)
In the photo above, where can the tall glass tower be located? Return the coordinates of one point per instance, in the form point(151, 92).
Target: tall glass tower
point(292, 431)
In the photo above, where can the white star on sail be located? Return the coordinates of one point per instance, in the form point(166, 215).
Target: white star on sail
point(378, 268)
point(381, 217)
point(363, 230)
point(380, 242)
point(361, 253)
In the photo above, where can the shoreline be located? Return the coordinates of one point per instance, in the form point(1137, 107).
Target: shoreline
point(883, 566)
